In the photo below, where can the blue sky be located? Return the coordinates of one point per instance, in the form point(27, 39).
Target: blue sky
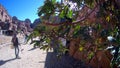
point(22, 9)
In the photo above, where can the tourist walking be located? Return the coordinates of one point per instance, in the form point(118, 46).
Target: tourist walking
point(16, 45)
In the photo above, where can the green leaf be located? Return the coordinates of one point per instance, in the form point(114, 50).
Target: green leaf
point(70, 14)
point(91, 54)
point(29, 37)
point(61, 14)
point(47, 9)
point(47, 40)
point(53, 1)
point(35, 41)
point(65, 31)
point(90, 3)
point(99, 26)
point(108, 18)
point(81, 48)
point(62, 49)
point(77, 31)
point(77, 27)
point(44, 47)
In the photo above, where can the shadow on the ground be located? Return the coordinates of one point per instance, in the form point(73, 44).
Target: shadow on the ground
point(5, 61)
point(66, 61)
point(33, 48)
point(41, 61)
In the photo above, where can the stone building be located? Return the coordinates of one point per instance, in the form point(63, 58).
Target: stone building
point(4, 16)
point(5, 20)
point(13, 24)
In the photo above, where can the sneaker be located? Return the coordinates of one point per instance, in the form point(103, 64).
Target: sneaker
point(18, 57)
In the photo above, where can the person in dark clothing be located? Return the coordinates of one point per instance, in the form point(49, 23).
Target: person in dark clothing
point(16, 45)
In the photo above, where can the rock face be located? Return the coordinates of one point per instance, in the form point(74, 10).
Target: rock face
point(36, 22)
point(28, 24)
point(13, 23)
point(22, 25)
point(4, 16)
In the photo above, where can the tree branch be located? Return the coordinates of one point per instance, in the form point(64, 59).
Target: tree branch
point(76, 22)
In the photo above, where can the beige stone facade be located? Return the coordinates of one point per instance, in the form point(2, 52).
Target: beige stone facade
point(4, 14)
point(13, 23)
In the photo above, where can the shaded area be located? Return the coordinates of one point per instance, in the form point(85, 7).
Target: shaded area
point(65, 61)
point(5, 61)
point(33, 48)
point(41, 61)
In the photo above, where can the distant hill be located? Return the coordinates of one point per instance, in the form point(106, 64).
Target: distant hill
point(36, 22)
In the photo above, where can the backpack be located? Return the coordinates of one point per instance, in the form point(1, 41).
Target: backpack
point(15, 41)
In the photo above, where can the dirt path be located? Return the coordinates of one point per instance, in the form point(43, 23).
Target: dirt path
point(30, 58)
point(34, 58)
